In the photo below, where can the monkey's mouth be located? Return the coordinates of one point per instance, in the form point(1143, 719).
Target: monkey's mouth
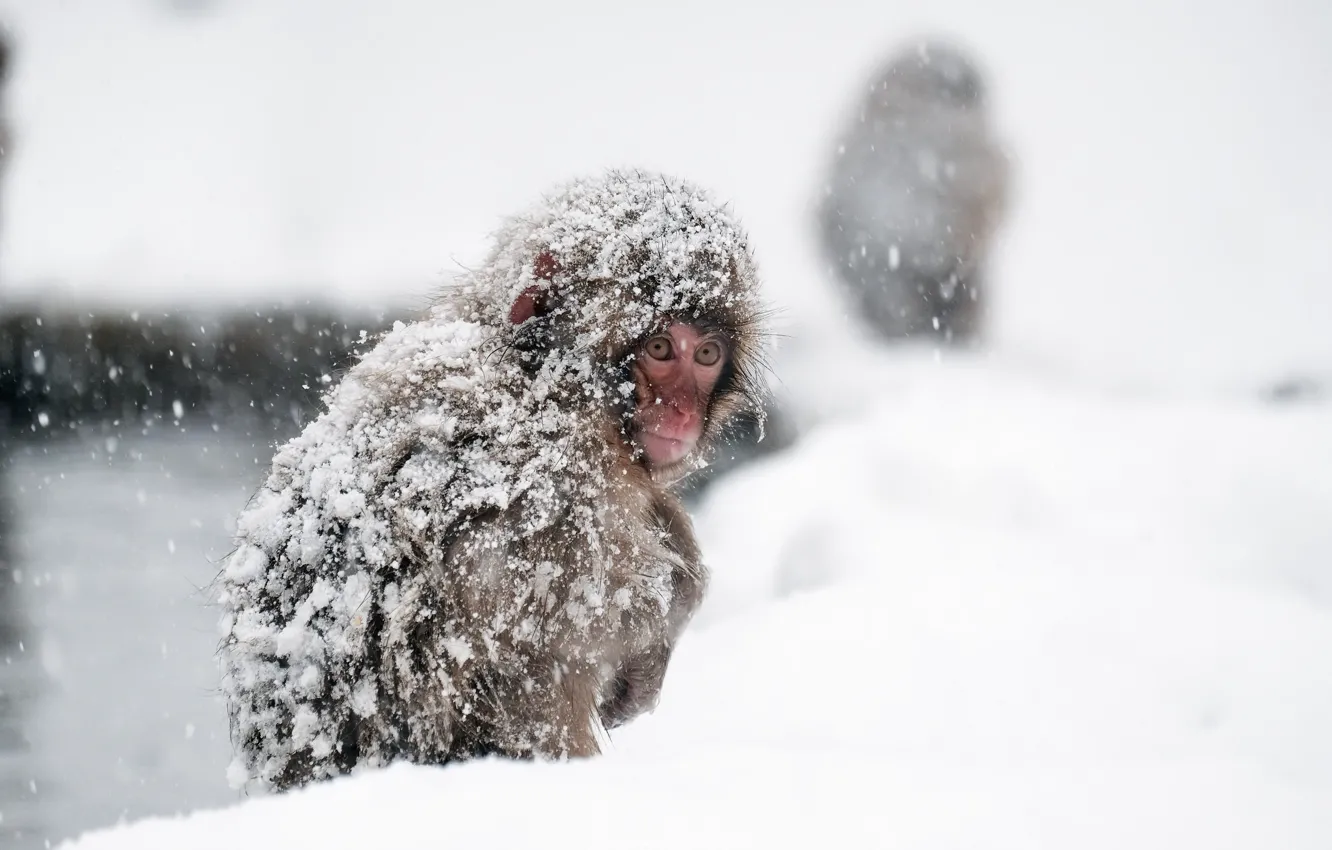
point(662, 450)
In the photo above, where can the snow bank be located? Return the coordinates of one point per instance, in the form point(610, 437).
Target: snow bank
point(1017, 616)
point(765, 800)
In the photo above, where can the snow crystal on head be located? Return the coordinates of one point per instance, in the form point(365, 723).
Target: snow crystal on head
point(623, 252)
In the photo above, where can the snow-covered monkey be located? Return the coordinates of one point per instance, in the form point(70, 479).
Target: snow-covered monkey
point(475, 550)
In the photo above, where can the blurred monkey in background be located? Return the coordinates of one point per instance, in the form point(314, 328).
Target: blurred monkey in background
point(914, 195)
point(917, 188)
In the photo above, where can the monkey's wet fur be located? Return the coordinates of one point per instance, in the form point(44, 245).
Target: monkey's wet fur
point(471, 552)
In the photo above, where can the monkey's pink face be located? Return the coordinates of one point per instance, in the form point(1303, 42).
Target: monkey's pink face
point(674, 376)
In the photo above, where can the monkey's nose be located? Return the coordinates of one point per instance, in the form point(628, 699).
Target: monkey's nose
point(677, 413)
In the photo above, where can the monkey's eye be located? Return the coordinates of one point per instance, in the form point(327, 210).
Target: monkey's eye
point(709, 353)
point(659, 348)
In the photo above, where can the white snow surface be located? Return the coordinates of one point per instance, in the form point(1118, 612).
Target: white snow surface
point(1020, 614)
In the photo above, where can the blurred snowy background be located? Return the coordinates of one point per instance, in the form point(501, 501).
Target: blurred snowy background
point(1074, 589)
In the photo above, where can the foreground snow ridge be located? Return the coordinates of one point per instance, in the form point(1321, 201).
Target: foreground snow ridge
point(980, 611)
point(745, 799)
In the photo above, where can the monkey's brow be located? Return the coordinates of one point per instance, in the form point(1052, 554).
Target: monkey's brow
point(707, 326)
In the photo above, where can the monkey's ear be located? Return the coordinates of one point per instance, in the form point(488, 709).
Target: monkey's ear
point(545, 266)
point(532, 301)
point(526, 305)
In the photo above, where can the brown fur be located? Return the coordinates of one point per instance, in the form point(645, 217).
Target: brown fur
point(525, 576)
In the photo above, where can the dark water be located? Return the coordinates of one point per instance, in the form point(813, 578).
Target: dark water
point(108, 704)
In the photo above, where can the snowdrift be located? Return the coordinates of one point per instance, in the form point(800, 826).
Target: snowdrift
point(984, 610)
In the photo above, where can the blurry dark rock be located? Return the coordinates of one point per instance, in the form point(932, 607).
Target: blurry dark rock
point(190, 7)
point(1299, 388)
point(64, 372)
point(916, 190)
point(6, 69)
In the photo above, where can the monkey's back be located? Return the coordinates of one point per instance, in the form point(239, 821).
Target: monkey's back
point(922, 176)
point(922, 180)
point(914, 194)
point(403, 567)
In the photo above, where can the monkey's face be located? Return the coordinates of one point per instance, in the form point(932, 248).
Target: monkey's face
point(675, 374)
point(635, 299)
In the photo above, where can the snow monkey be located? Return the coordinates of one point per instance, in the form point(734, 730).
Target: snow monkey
point(914, 196)
point(476, 550)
